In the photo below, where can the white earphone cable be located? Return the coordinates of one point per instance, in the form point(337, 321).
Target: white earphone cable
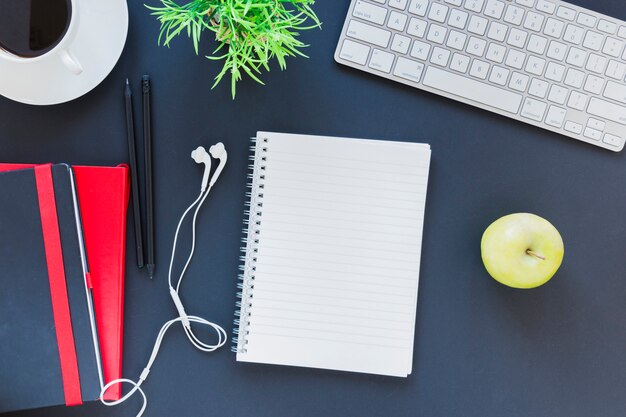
point(182, 316)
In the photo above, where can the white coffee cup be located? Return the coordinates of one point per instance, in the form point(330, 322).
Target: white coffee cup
point(62, 50)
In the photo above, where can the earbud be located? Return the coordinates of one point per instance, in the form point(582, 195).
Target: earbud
point(201, 156)
point(218, 151)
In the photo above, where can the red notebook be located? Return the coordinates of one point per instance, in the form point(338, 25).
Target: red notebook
point(103, 197)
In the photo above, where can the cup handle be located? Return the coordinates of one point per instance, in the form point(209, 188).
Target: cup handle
point(70, 62)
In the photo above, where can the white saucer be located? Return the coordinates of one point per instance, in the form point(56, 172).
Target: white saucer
point(98, 45)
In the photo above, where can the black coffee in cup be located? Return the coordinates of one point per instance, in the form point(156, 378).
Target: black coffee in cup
point(30, 28)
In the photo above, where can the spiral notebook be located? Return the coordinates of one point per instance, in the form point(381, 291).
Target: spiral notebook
point(331, 260)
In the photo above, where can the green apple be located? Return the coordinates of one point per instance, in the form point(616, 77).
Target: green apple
point(522, 250)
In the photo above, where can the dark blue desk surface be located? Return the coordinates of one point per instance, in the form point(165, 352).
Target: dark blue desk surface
point(481, 350)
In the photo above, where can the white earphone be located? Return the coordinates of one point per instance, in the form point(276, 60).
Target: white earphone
point(200, 156)
point(218, 151)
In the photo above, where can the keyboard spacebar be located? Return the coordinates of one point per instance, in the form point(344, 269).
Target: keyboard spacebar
point(473, 90)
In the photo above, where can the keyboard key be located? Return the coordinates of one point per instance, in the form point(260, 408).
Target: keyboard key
point(497, 31)
point(370, 12)
point(479, 69)
point(527, 3)
point(454, 2)
point(418, 7)
point(494, 9)
point(417, 27)
point(398, 4)
point(606, 26)
point(555, 72)
point(420, 50)
point(573, 127)
point(574, 78)
point(354, 52)
point(596, 63)
point(546, 6)
point(613, 47)
point(594, 84)
point(477, 25)
point(574, 34)
point(592, 133)
point(593, 40)
point(596, 124)
point(556, 116)
point(537, 44)
point(440, 56)
point(456, 40)
point(616, 70)
point(397, 21)
point(381, 61)
point(538, 88)
point(368, 33)
point(496, 53)
point(576, 57)
point(558, 94)
point(460, 63)
point(577, 100)
point(515, 59)
point(458, 19)
point(535, 65)
point(615, 91)
point(586, 20)
point(622, 32)
point(438, 12)
point(400, 44)
point(533, 21)
point(514, 15)
point(554, 28)
point(499, 75)
point(613, 140)
point(479, 92)
point(566, 13)
point(476, 46)
point(557, 50)
point(474, 5)
point(408, 69)
point(517, 38)
point(437, 34)
point(519, 82)
point(534, 109)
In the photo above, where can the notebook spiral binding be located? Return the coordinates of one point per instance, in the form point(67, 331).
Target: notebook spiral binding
point(250, 238)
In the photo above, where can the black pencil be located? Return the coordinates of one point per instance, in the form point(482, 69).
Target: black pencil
point(147, 138)
point(132, 156)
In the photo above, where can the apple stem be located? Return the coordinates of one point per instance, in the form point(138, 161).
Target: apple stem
point(535, 254)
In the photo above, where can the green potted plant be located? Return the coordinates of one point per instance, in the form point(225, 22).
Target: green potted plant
point(249, 33)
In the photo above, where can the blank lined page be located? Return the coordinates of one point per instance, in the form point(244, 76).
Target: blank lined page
point(333, 257)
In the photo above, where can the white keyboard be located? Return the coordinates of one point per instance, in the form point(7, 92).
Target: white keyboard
point(547, 63)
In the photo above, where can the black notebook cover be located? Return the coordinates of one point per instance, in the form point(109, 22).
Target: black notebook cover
point(30, 364)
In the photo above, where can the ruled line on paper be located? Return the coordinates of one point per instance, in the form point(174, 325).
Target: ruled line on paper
point(322, 313)
point(381, 284)
point(342, 263)
point(368, 161)
point(299, 319)
point(321, 173)
point(340, 272)
point(300, 284)
point(369, 168)
point(332, 340)
point(300, 302)
point(368, 187)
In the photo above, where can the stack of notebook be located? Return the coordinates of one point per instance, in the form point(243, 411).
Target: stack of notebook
point(62, 260)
